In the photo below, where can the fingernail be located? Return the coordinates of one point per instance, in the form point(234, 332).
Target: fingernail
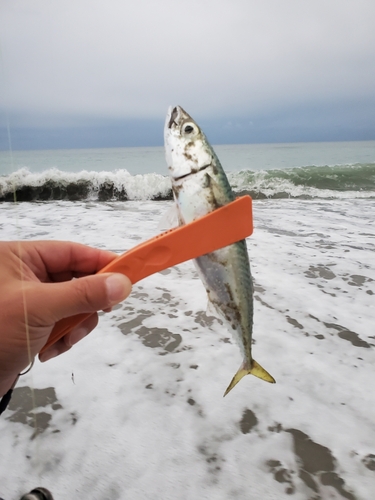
point(76, 336)
point(48, 354)
point(117, 288)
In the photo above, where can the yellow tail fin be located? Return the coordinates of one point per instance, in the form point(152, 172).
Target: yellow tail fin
point(255, 369)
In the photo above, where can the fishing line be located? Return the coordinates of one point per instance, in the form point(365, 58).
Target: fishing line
point(6, 399)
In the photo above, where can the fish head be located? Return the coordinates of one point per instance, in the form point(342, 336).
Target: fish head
point(186, 147)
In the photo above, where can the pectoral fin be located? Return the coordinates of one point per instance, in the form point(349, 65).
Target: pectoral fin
point(169, 220)
point(255, 369)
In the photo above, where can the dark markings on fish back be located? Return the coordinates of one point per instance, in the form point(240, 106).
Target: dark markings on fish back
point(219, 172)
point(214, 196)
point(222, 189)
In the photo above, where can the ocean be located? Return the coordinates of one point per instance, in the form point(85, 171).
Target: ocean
point(136, 410)
point(303, 170)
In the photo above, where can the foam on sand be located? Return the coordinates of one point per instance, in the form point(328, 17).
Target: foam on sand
point(136, 409)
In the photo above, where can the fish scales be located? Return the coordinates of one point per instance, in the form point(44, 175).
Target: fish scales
point(200, 186)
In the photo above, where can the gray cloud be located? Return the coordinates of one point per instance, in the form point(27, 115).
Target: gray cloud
point(83, 61)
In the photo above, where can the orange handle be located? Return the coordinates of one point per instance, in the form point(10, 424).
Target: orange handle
point(220, 228)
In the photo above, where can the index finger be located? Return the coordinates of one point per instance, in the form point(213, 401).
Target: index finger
point(57, 259)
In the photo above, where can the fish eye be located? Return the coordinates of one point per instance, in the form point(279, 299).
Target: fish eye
point(188, 128)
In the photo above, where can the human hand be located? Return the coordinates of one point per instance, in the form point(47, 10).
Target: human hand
point(37, 289)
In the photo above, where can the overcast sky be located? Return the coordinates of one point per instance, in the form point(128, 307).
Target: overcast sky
point(105, 71)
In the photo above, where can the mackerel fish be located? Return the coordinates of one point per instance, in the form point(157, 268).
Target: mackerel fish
point(200, 186)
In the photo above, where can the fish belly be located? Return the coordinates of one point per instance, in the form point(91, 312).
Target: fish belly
point(226, 276)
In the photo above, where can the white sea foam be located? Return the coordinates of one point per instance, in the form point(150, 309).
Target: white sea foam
point(137, 187)
point(139, 411)
point(339, 182)
point(326, 182)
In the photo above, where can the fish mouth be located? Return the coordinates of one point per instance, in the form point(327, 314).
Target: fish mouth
point(174, 115)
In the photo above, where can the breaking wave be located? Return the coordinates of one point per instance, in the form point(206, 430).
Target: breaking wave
point(311, 182)
point(54, 184)
point(330, 181)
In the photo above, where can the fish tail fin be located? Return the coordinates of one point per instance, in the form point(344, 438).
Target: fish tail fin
point(254, 369)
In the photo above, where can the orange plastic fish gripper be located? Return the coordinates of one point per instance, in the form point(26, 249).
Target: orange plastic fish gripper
point(220, 228)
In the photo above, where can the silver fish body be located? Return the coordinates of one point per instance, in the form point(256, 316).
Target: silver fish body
point(200, 186)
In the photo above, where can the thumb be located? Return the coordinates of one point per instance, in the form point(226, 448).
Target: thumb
point(83, 295)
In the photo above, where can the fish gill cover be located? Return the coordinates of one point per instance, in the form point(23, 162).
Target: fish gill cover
point(308, 182)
